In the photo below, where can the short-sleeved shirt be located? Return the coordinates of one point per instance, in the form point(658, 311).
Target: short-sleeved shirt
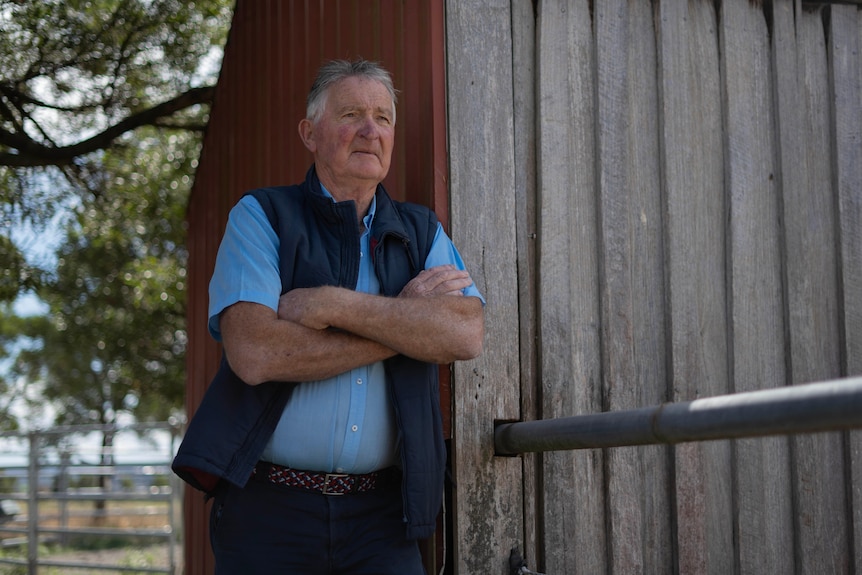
point(343, 424)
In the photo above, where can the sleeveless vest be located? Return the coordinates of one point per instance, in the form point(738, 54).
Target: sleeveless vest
point(319, 245)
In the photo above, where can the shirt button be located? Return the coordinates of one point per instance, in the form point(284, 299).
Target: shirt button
point(359, 381)
point(355, 428)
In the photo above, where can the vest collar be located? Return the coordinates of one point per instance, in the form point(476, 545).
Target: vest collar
point(386, 217)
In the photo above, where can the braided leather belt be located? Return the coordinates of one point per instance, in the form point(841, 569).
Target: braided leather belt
point(325, 483)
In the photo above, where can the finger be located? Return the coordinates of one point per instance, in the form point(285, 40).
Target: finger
point(439, 280)
point(437, 276)
point(451, 286)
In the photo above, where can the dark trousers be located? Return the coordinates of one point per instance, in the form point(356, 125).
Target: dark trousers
point(271, 529)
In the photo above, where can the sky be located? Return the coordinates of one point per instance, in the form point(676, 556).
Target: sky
point(157, 447)
point(39, 247)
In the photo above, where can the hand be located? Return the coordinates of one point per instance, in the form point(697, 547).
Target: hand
point(441, 280)
point(303, 306)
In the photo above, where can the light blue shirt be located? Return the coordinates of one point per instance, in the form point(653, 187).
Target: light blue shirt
point(344, 424)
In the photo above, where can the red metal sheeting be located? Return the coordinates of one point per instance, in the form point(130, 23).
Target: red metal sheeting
point(274, 49)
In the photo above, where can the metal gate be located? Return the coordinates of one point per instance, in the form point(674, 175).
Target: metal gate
point(67, 490)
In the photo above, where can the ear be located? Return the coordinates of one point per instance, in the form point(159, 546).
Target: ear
point(306, 134)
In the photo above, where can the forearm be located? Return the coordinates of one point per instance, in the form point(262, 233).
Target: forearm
point(436, 329)
point(260, 347)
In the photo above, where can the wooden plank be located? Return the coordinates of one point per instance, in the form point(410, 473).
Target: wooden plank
point(845, 46)
point(821, 530)
point(764, 520)
point(691, 143)
point(488, 497)
point(524, 76)
point(569, 328)
point(632, 289)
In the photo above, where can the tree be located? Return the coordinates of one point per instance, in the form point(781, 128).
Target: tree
point(102, 105)
point(75, 77)
point(114, 339)
point(12, 390)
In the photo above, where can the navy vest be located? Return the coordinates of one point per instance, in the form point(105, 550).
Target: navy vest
point(319, 245)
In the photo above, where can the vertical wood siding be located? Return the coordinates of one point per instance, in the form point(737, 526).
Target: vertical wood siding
point(763, 484)
point(845, 68)
point(664, 201)
point(632, 295)
point(568, 293)
point(274, 49)
point(481, 145)
point(525, 221)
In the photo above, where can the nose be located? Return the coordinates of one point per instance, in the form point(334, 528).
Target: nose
point(368, 129)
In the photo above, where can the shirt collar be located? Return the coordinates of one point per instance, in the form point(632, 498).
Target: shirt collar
point(372, 209)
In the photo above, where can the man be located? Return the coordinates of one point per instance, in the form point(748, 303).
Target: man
point(320, 438)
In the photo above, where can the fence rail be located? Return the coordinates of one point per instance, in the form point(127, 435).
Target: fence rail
point(814, 407)
point(44, 470)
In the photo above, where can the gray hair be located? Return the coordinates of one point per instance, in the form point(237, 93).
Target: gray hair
point(336, 70)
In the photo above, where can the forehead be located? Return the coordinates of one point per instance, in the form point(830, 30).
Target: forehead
point(357, 92)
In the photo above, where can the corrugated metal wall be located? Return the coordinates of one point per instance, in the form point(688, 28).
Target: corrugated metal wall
point(273, 51)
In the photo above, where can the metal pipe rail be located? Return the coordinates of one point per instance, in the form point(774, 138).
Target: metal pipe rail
point(814, 407)
point(47, 475)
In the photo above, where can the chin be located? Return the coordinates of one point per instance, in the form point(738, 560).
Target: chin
point(376, 174)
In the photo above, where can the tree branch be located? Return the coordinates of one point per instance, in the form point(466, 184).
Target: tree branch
point(21, 98)
point(33, 154)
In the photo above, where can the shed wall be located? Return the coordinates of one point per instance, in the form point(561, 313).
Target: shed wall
point(271, 56)
point(661, 201)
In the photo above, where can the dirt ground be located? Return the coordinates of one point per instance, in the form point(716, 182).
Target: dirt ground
point(155, 556)
point(117, 515)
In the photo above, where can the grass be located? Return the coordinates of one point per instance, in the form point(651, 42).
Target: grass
point(149, 557)
point(108, 550)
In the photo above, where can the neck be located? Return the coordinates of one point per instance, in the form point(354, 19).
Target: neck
point(360, 193)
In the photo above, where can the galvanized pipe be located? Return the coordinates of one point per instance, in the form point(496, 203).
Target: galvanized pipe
point(825, 406)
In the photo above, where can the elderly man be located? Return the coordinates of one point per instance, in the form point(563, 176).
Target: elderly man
point(320, 437)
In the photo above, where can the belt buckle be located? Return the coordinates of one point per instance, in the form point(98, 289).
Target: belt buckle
point(329, 477)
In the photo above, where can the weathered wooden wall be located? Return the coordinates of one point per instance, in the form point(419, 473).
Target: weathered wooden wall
point(661, 201)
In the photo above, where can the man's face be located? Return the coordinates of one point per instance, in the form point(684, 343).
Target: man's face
point(352, 141)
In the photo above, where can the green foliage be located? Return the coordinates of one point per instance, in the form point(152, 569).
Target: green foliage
point(17, 274)
point(114, 339)
point(76, 77)
point(13, 331)
point(93, 63)
point(102, 107)
point(8, 484)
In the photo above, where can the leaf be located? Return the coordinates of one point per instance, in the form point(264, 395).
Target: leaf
point(84, 126)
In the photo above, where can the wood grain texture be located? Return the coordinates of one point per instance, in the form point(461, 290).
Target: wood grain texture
point(524, 76)
point(692, 155)
point(631, 280)
point(678, 159)
point(569, 323)
point(821, 535)
point(845, 59)
point(488, 496)
point(763, 497)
